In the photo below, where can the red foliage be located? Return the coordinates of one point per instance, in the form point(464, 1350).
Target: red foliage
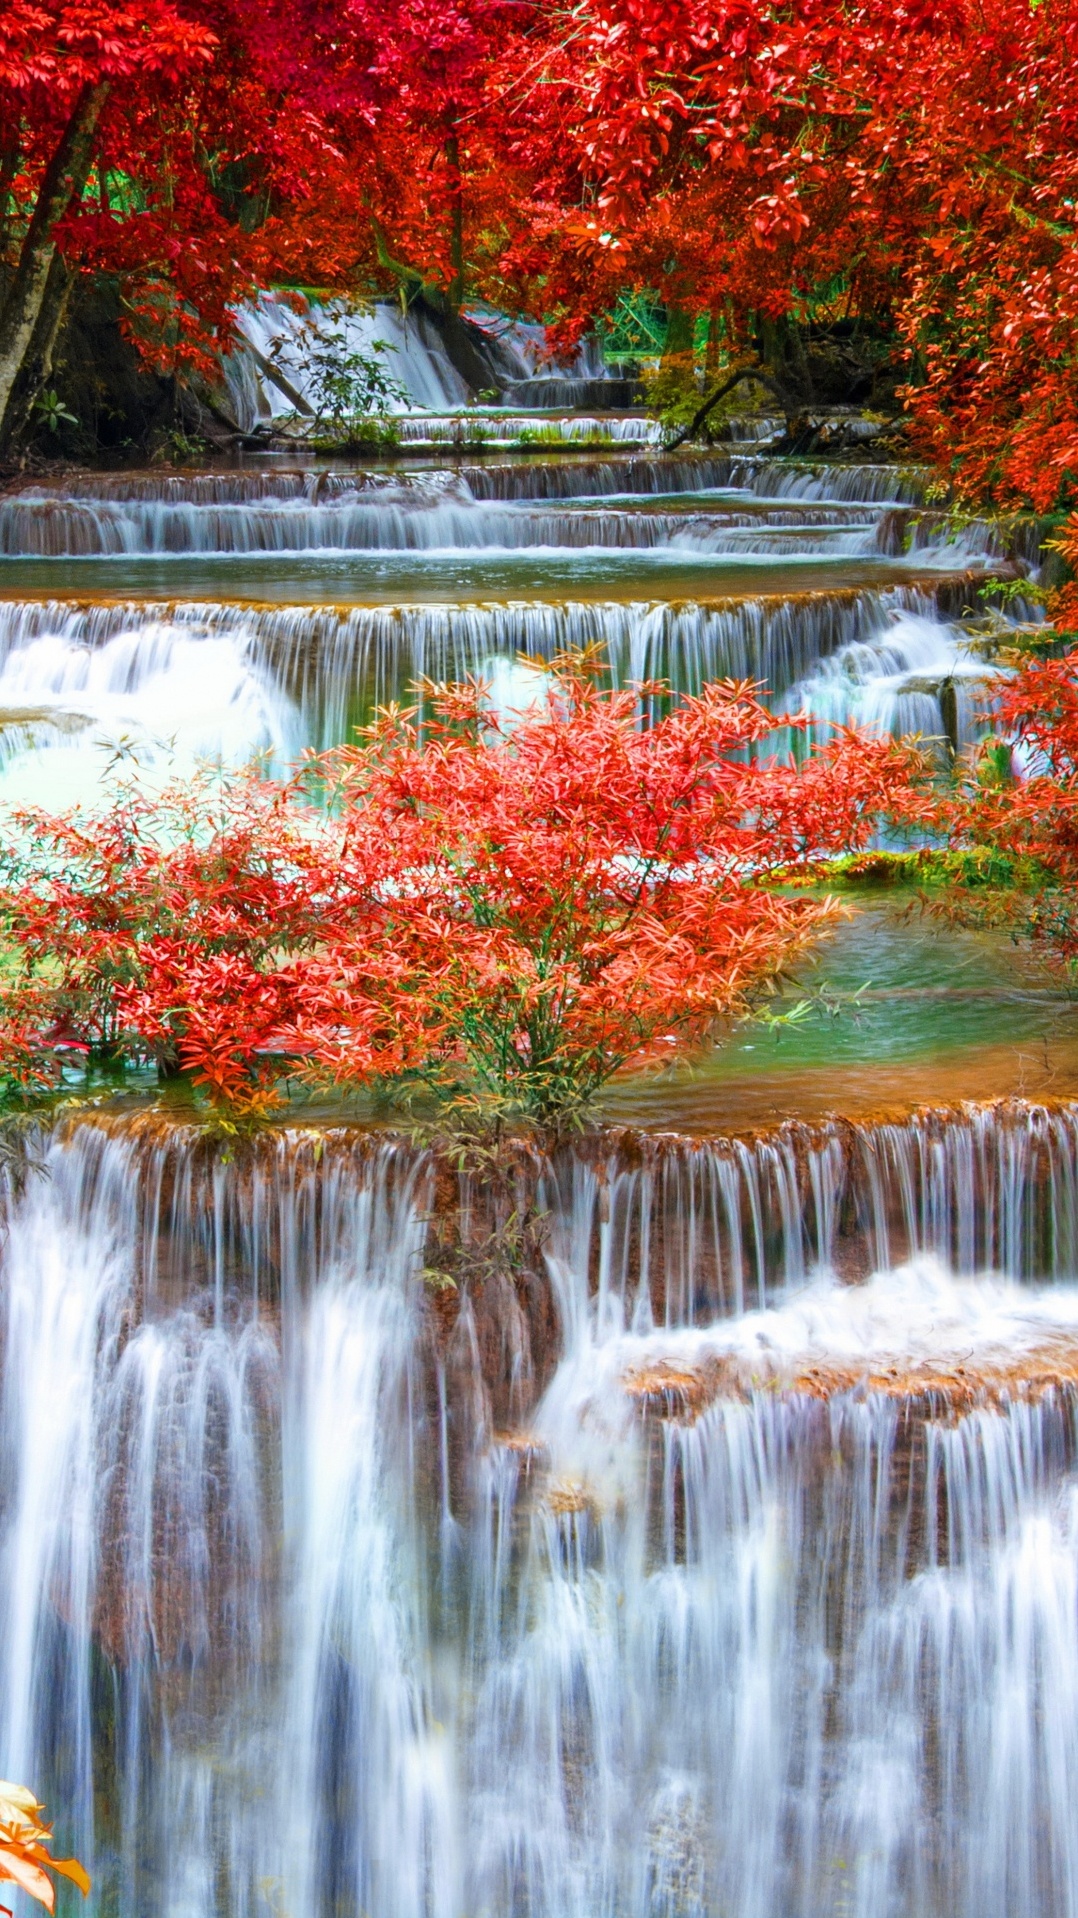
point(914, 165)
point(522, 914)
point(391, 161)
point(150, 213)
point(1021, 798)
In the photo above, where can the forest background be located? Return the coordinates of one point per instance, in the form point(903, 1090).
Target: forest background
point(854, 199)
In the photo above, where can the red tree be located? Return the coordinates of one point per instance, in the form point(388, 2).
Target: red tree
point(75, 81)
point(519, 915)
point(912, 166)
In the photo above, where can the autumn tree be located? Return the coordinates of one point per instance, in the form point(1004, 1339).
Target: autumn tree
point(515, 915)
point(74, 79)
point(909, 169)
point(415, 192)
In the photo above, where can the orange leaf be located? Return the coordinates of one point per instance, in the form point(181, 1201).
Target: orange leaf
point(22, 1871)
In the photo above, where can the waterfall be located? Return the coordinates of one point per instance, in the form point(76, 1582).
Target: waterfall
point(414, 356)
point(190, 677)
point(51, 528)
point(898, 681)
point(801, 1651)
point(465, 431)
point(164, 683)
point(536, 478)
point(757, 507)
point(168, 1604)
point(227, 680)
point(716, 1555)
point(691, 1577)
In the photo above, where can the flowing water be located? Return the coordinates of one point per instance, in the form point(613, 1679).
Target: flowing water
point(701, 1583)
point(722, 1564)
point(244, 610)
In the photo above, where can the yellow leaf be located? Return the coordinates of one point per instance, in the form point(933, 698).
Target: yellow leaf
point(17, 1805)
point(70, 1868)
point(24, 1857)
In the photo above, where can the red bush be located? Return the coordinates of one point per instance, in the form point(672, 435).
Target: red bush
point(520, 911)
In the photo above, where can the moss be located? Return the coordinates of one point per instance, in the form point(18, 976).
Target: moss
point(978, 868)
point(371, 434)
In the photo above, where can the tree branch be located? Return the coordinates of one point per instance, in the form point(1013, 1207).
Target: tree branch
point(743, 373)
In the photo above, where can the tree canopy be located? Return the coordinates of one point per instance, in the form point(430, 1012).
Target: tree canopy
point(784, 166)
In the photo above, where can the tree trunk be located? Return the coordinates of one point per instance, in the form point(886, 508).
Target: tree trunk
point(37, 360)
point(782, 348)
point(25, 301)
point(455, 293)
point(677, 356)
point(711, 351)
point(756, 373)
point(9, 166)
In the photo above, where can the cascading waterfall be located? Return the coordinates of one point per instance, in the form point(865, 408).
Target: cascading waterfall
point(464, 431)
point(793, 1649)
point(723, 1563)
point(84, 529)
point(194, 677)
point(414, 357)
point(289, 676)
point(917, 676)
point(766, 1598)
point(175, 692)
point(424, 511)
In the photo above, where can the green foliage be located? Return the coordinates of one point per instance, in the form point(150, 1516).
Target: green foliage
point(1005, 592)
point(373, 434)
point(681, 409)
point(49, 410)
point(635, 329)
point(978, 868)
point(344, 384)
point(177, 448)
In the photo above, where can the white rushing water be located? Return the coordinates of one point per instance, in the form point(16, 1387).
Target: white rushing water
point(155, 696)
point(89, 681)
point(740, 504)
point(429, 520)
point(291, 1621)
point(680, 1580)
point(411, 350)
point(898, 681)
point(227, 680)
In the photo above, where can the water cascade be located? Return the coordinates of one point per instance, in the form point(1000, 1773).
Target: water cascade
point(300, 675)
point(274, 337)
point(721, 1559)
point(690, 1579)
point(289, 512)
point(792, 572)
